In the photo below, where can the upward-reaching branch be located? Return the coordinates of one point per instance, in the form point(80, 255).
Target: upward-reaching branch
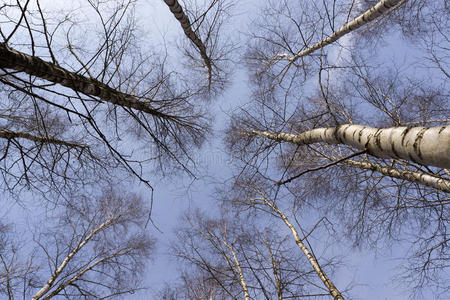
point(178, 12)
point(311, 258)
point(69, 257)
point(242, 281)
point(368, 16)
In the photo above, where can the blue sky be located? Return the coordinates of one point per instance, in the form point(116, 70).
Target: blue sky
point(368, 271)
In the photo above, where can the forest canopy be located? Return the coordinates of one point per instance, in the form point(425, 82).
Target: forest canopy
point(335, 138)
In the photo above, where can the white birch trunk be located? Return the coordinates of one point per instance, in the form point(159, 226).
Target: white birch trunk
point(67, 259)
point(179, 14)
point(312, 260)
point(429, 146)
point(242, 281)
point(371, 14)
point(421, 178)
point(79, 274)
point(32, 65)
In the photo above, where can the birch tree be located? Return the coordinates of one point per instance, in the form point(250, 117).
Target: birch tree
point(289, 31)
point(374, 195)
point(313, 81)
point(86, 67)
point(234, 260)
point(252, 195)
point(94, 248)
point(203, 25)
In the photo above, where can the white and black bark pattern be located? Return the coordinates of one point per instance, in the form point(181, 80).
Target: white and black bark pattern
point(49, 284)
point(35, 66)
point(179, 14)
point(310, 256)
point(368, 16)
point(239, 270)
point(428, 146)
point(421, 178)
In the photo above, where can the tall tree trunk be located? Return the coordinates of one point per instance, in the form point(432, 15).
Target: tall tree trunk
point(179, 14)
point(429, 146)
point(22, 62)
point(242, 281)
point(371, 14)
point(312, 260)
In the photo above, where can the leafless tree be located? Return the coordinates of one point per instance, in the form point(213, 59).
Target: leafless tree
point(78, 83)
point(232, 259)
point(15, 268)
point(91, 248)
point(313, 86)
point(203, 23)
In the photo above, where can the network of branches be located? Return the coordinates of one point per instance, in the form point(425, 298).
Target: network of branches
point(343, 143)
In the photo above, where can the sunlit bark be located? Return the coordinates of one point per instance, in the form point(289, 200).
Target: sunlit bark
point(374, 12)
point(429, 146)
point(69, 257)
point(312, 260)
point(425, 179)
point(242, 281)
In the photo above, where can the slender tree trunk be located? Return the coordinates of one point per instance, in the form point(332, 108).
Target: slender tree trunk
point(242, 281)
point(79, 274)
point(429, 146)
point(371, 14)
point(425, 179)
point(67, 259)
point(312, 260)
point(8, 134)
point(275, 272)
point(22, 62)
point(179, 14)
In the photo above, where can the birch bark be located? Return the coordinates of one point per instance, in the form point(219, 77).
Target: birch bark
point(429, 146)
point(242, 281)
point(79, 274)
point(425, 179)
point(22, 62)
point(179, 14)
point(8, 134)
point(68, 258)
point(312, 260)
point(368, 16)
